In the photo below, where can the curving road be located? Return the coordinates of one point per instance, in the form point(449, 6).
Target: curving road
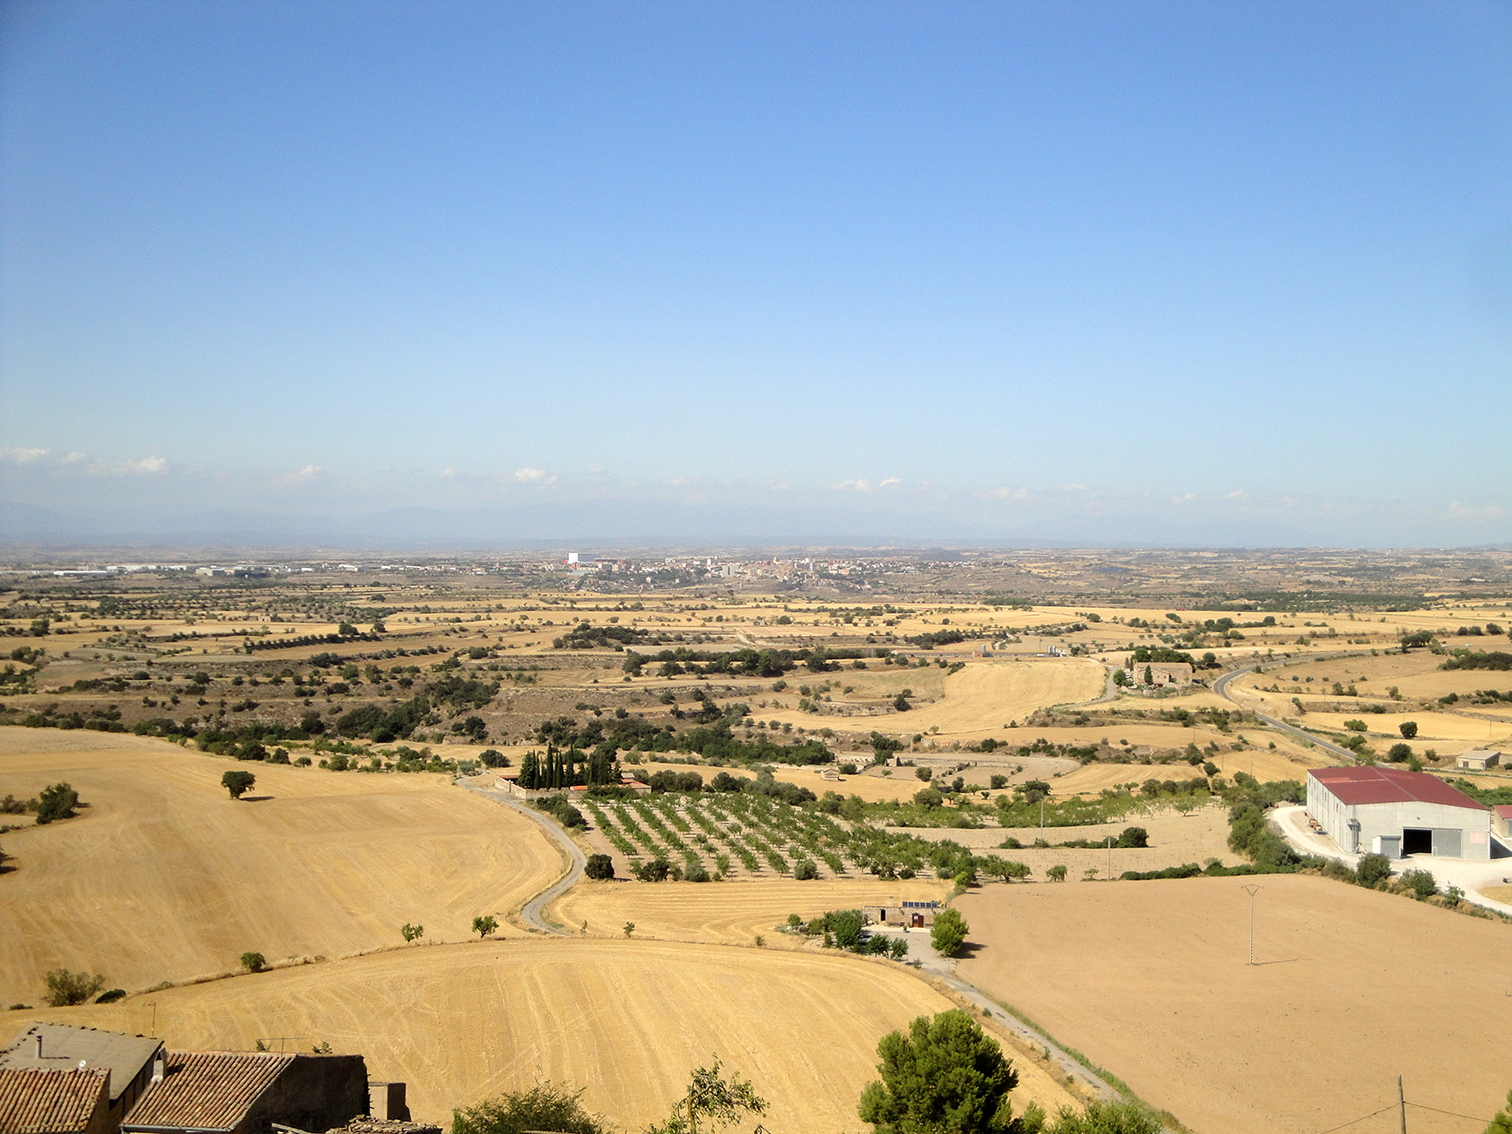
point(1220, 687)
point(531, 911)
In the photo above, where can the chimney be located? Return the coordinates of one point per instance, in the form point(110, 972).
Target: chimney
point(159, 1066)
point(39, 1045)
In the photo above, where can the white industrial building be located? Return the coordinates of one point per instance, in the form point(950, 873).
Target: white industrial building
point(1397, 813)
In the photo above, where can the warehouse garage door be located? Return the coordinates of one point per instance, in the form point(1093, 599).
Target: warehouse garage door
point(1446, 841)
point(1417, 840)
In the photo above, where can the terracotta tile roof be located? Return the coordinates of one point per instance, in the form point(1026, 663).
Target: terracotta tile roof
point(33, 1101)
point(1370, 784)
point(207, 1090)
point(64, 1045)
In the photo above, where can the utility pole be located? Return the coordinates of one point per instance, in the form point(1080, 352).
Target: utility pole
point(1401, 1105)
point(1110, 857)
point(1252, 890)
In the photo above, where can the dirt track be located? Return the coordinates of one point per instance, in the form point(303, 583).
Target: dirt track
point(1152, 980)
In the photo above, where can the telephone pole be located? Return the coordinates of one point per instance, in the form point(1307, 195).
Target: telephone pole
point(1401, 1105)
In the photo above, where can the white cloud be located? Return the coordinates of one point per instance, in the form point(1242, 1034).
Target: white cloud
point(306, 475)
point(534, 476)
point(1471, 512)
point(23, 456)
point(1237, 494)
point(891, 482)
point(447, 474)
point(859, 485)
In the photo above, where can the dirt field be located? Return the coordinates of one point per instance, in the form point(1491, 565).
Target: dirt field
point(723, 912)
point(164, 877)
point(1353, 987)
point(1175, 839)
point(627, 1020)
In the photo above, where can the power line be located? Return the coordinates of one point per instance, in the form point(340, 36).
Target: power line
point(1452, 1114)
point(1362, 1118)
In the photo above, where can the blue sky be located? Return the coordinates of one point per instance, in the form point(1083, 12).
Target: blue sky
point(1104, 273)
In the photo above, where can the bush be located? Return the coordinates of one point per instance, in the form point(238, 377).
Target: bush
point(1419, 883)
point(1134, 837)
point(805, 871)
point(65, 988)
point(254, 962)
point(493, 758)
point(544, 1107)
point(57, 801)
point(656, 870)
point(949, 932)
point(600, 867)
point(1408, 729)
point(1399, 753)
point(110, 997)
point(1373, 868)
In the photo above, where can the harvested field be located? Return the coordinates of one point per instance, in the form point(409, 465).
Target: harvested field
point(1498, 893)
point(1353, 987)
point(626, 1020)
point(724, 912)
point(164, 877)
point(1175, 840)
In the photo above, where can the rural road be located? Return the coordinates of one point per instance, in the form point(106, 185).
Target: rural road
point(1220, 687)
point(531, 911)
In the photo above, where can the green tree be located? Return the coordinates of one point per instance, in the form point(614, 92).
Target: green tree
point(1056, 873)
point(845, 927)
point(56, 801)
point(946, 1076)
point(545, 1106)
point(254, 962)
point(949, 932)
point(411, 932)
point(600, 867)
point(1408, 729)
point(629, 929)
point(1120, 678)
point(237, 783)
point(1399, 753)
point(65, 987)
point(485, 925)
point(713, 1100)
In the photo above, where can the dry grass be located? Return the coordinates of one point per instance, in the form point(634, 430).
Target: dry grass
point(732, 912)
point(627, 1020)
point(165, 877)
point(1152, 979)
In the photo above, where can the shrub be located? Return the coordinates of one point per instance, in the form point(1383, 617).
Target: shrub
point(600, 867)
point(1399, 753)
point(804, 870)
point(57, 801)
point(1419, 883)
point(110, 997)
point(65, 988)
point(1134, 837)
point(253, 962)
point(1408, 729)
point(1373, 868)
point(544, 1107)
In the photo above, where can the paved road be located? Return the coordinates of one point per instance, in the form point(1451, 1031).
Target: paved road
point(531, 911)
point(1220, 687)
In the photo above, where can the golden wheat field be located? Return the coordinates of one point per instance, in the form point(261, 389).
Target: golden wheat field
point(165, 877)
point(1352, 987)
point(626, 1020)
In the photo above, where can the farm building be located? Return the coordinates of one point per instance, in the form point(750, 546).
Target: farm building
point(35, 1101)
point(1158, 675)
point(245, 1092)
point(1397, 813)
point(1478, 759)
point(129, 1060)
point(906, 915)
point(1501, 821)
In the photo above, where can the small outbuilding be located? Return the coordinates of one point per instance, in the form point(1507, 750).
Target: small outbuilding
point(1397, 813)
point(130, 1060)
point(246, 1092)
point(903, 915)
point(1478, 759)
point(38, 1101)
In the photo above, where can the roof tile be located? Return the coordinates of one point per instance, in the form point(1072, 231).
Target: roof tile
point(34, 1101)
